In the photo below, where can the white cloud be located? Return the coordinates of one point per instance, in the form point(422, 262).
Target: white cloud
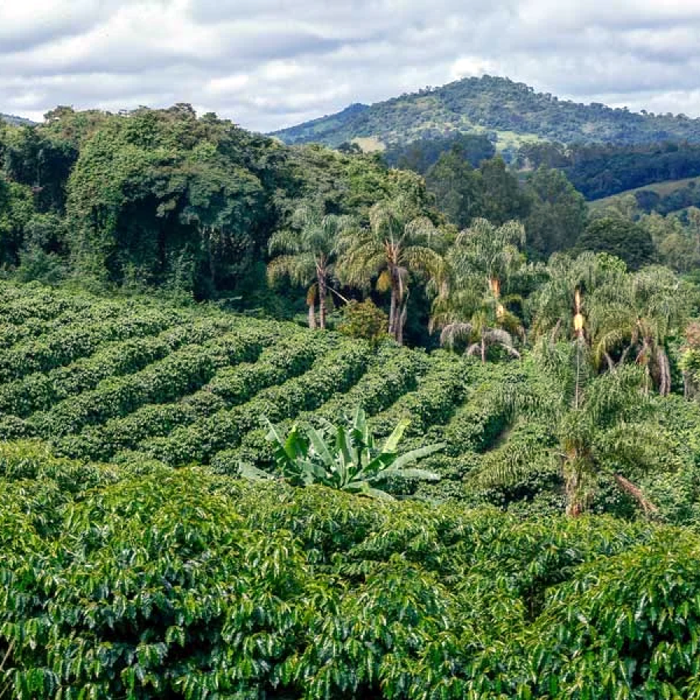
point(271, 63)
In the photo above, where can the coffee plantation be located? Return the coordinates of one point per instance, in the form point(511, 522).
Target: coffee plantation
point(136, 562)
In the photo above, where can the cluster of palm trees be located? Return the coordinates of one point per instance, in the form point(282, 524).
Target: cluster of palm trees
point(614, 316)
point(323, 250)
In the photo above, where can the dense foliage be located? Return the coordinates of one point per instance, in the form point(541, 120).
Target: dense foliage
point(163, 198)
point(602, 170)
point(139, 582)
point(133, 380)
point(420, 155)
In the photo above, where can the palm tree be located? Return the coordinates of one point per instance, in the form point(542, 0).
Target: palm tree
point(398, 241)
point(469, 306)
point(603, 430)
point(491, 251)
point(636, 318)
point(488, 325)
point(606, 432)
point(344, 457)
point(306, 256)
point(559, 307)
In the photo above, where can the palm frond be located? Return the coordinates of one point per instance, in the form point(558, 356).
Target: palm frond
point(285, 242)
point(455, 332)
point(300, 269)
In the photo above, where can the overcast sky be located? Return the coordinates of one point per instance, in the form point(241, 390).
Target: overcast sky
point(273, 63)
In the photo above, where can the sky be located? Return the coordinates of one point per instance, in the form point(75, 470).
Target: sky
point(267, 64)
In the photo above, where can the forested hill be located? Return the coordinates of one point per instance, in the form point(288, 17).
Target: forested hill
point(510, 112)
point(13, 119)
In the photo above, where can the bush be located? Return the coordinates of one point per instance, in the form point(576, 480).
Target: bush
point(364, 320)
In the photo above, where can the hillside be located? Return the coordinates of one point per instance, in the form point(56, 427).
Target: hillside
point(510, 112)
point(124, 380)
point(16, 121)
point(112, 380)
point(663, 189)
point(129, 543)
point(666, 197)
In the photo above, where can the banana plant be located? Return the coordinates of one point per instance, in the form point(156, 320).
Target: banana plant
point(346, 457)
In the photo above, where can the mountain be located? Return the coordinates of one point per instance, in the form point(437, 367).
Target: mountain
point(16, 121)
point(509, 113)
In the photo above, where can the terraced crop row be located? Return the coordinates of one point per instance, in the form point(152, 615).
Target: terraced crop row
point(335, 370)
point(11, 334)
point(117, 380)
point(39, 391)
point(63, 346)
point(391, 374)
point(287, 357)
point(22, 304)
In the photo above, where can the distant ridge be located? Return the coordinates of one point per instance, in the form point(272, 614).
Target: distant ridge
point(510, 113)
point(16, 121)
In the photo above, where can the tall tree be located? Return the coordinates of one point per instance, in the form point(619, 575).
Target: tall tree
point(469, 306)
point(559, 307)
point(306, 254)
point(626, 240)
point(503, 198)
point(605, 426)
point(557, 213)
point(634, 319)
point(456, 186)
point(399, 241)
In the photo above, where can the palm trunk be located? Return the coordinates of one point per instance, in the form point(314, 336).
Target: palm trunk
point(664, 373)
point(396, 307)
point(634, 491)
point(483, 351)
point(392, 309)
point(573, 503)
point(401, 322)
point(312, 315)
point(322, 293)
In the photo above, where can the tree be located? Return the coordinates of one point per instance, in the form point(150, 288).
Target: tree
point(675, 244)
point(398, 241)
point(690, 360)
point(16, 210)
point(364, 320)
point(626, 240)
point(605, 432)
point(604, 426)
point(469, 306)
point(307, 256)
point(503, 198)
point(559, 306)
point(557, 213)
point(456, 186)
point(634, 320)
point(487, 327)
point(345, 457)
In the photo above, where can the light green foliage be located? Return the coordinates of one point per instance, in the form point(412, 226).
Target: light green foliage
point(399, 242)
point(306, 255)
point(345, 457)
point(133, 579)
point(364, 320)
point(469, 307)
point(128, 380)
